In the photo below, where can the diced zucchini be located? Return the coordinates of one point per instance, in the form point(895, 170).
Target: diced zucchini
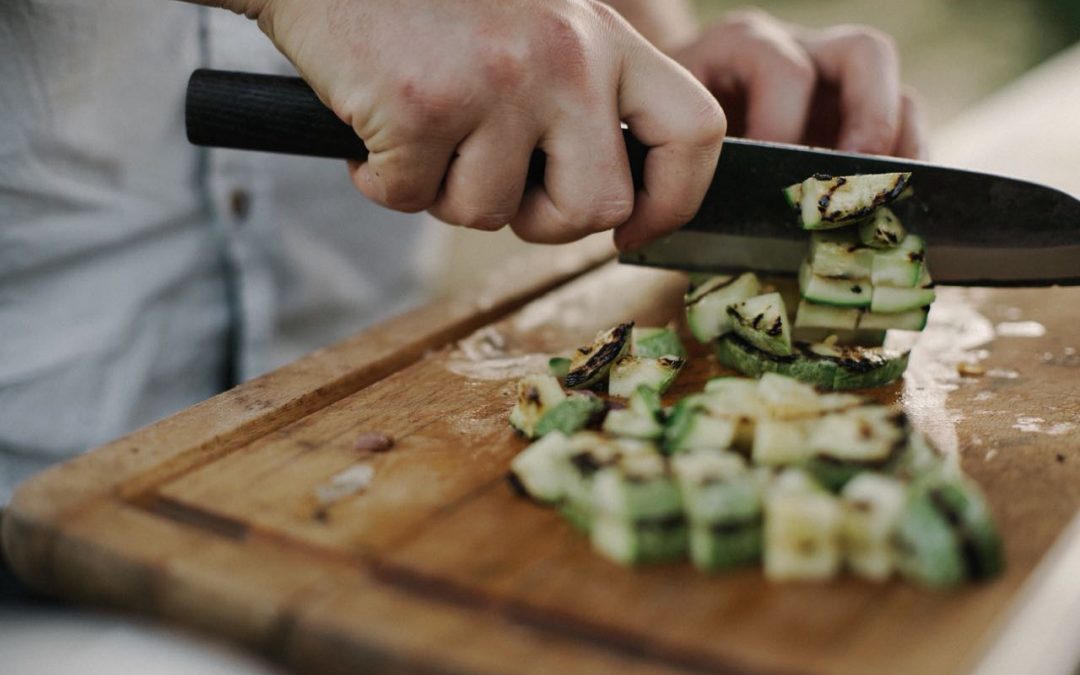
point(536, 395)
point(628, 542)
point(882, 230)
point(781, 442)
point(652, 343)
point(829, 202)
point(762, 321)
point(631, 372)
point(537, 470)
point(784, 396)
point(735, 398)
point(722, 501)
point(588, 453)
point(946, 533)
point(640, 419)
point(706, 305)
point(691, 426)
point(872, 504)
point(813, 315)
point(802, 534)
point(636, 487)
point(840, 254)
point(573, 413)
point(901, 266)
point(889, 300)
point(590, 365)
point(835, 292)
point(868, 434)
point(911, 320)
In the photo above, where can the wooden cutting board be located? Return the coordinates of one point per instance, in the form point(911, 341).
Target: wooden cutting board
point(213, 518)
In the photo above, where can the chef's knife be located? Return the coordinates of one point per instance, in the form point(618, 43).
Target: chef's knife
point(981, 229)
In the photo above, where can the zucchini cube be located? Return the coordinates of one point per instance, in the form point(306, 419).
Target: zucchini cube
point(802, 534)
point(872, 504)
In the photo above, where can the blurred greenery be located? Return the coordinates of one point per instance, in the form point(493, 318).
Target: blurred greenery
point(954, 52)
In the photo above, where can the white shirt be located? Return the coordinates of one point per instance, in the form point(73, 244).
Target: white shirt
point(138, 274)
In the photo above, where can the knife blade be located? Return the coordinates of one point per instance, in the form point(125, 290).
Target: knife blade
point(980, 229)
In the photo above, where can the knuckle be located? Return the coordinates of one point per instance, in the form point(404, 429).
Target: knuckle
point(401, 193)
point(503, 67)
point(602, 214)
point(562, 45)
point(710, 124)
point(486, 221)
point(427, 107)
point(868, 40)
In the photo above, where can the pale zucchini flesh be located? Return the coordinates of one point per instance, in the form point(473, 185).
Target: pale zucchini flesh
point(883, 230)
point(840, 254)
point(762, 321)
point(629, 372)
point(590, 365)
point(707, 304)
point(834, 292)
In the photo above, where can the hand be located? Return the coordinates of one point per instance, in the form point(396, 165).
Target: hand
point(838, 87)
point(452, 96)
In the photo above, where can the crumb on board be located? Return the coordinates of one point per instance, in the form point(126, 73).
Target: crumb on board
point(373, 441)
point(966, 369)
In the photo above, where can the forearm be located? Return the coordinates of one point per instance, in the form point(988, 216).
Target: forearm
point(668, 24)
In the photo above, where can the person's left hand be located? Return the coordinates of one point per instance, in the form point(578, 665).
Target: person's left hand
point(839, 87)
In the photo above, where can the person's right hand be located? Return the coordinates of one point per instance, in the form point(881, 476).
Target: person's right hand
point(452, 96)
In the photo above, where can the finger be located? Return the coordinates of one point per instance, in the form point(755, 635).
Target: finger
point(587, 184)
point(864, 65)
point(912, 140)
point(404, 177)
point(485, 183)
point(684, 127)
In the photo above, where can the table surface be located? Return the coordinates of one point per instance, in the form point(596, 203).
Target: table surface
point(1026, 130)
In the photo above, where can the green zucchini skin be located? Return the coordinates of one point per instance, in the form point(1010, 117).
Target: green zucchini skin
point(573, 413)
point(654, 343)
point(946, 534)
point(845, 368)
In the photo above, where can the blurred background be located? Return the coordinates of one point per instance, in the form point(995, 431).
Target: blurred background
point(955, 52)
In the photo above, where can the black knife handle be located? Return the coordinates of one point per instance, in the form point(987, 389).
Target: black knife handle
point(272, 113)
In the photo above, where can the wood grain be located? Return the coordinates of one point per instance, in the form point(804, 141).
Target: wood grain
point(234, 540)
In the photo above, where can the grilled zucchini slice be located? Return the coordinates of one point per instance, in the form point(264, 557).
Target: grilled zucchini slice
point(829, 202)
point(900, 266)
point(707, 304)
point(812, 315)
point(834, 292)
point(883, 230)
point(762, 321)
point(840, 254)
point(914, 319)
point(536, 395)
point(822, 365)
point(590, 365)
point(631, 372)
point(889, 300)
